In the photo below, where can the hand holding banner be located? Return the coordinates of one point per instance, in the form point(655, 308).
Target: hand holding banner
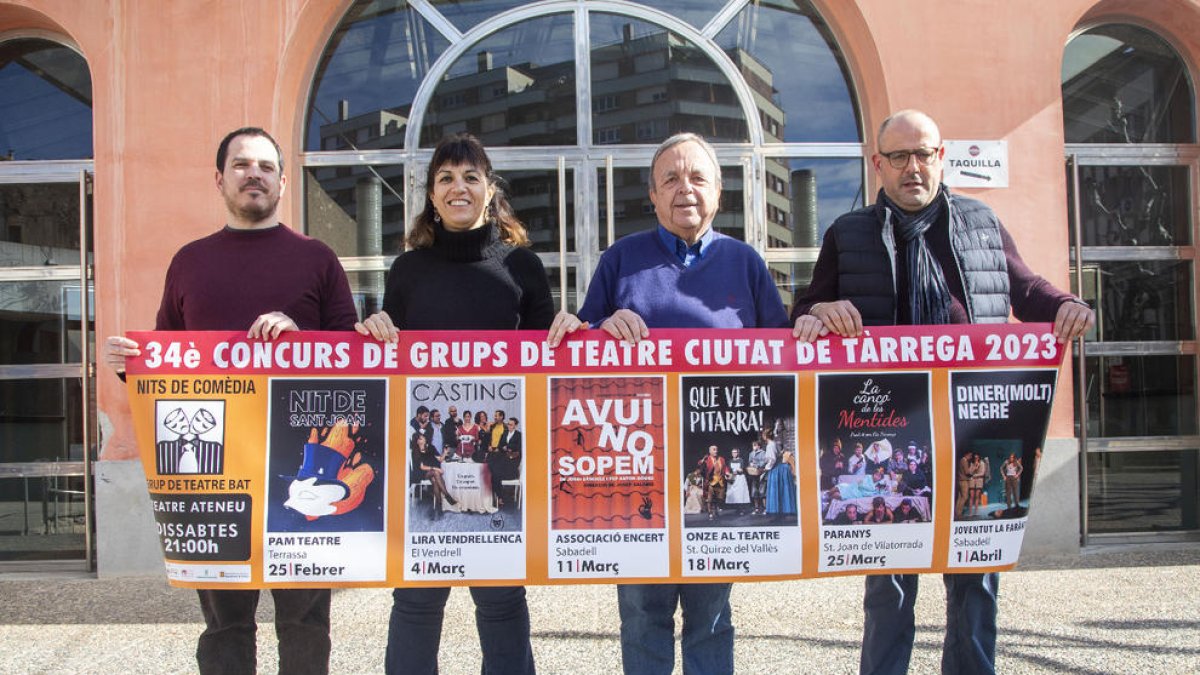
point(488, 458)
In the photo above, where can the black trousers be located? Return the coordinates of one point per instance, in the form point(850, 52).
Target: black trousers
point(227, 645)
point(502, 468)
point(415, 630)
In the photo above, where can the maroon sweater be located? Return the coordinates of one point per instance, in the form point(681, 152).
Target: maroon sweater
point(228, 279)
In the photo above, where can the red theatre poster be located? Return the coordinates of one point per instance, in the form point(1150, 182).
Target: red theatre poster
point(607, 477)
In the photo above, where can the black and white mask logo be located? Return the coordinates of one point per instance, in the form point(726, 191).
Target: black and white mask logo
point(189, 437)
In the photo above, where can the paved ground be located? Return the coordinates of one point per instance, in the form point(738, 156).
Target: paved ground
point(1105, 612)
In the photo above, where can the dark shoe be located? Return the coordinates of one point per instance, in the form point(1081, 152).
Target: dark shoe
point(450, 500)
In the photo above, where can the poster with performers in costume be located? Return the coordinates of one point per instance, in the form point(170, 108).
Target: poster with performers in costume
point(875, 467)
point(607, 477)
point(739, 475)
point(465, 470)
point(999, 418)
point(325, 482)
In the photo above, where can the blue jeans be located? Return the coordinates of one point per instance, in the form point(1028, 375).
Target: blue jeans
point(415, 630)
point(970, 644)
point(648, 628)
point(227, 645)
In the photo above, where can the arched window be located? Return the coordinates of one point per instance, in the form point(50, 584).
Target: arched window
point(45, 101)
point(45, 296)
point(1124, 84)
point(571, 99)
point(1129, 122)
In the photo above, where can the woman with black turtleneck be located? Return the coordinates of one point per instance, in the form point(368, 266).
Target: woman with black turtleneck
point(468, 268)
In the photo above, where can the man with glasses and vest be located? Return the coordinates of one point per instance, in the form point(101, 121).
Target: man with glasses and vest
point(922, 255)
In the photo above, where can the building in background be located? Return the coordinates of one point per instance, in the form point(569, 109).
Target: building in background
point(110, 112)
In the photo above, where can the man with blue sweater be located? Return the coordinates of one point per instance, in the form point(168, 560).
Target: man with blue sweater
point(681, 274)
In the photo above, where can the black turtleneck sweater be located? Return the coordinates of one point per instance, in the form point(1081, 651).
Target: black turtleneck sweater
point(468, 281)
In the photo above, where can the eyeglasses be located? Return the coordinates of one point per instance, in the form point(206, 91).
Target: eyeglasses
point(899, 158)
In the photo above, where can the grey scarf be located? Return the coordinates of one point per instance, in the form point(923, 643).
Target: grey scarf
point(928, 296)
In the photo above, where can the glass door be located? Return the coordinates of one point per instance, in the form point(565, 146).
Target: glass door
point(543, 190)
point(1133, 260)
point(47, 400)
point(1129, 123)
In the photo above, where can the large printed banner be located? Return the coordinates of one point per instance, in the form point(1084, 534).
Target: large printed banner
point(484, 458)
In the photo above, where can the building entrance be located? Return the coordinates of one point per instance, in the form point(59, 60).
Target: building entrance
point(47, 399)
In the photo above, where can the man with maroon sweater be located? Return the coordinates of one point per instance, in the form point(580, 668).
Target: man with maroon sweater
point(923, 255)
point(259, 273)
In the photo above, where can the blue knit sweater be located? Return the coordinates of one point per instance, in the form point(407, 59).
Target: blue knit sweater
point(729, 287)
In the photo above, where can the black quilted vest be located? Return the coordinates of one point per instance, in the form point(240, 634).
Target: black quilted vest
point(866, 249)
